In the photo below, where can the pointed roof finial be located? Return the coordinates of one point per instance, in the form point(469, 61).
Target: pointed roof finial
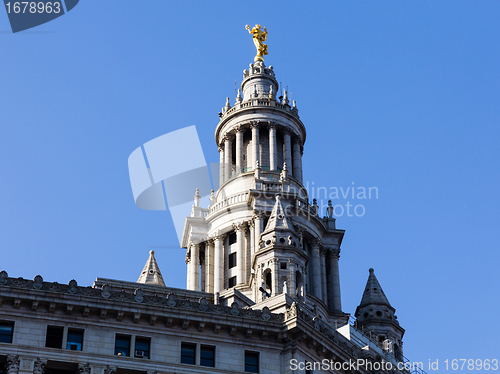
point(238, 97)
point(373, 293)
point(151, 273)
point(197, 197)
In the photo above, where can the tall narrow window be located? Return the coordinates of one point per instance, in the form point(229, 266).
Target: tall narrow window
point(75, 339)
point(232, 238)
point(188, 353)
point(207, 356)
point(122, 345)
point(142, 347)
point(6, 331)
point(231, 282)
point(251, 362)
point(54, 337)
point(232, 260)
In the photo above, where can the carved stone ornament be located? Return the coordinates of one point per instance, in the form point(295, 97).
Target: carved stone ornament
point(110, 370)
point(38, 282)
point(39, 366)
point(235, 309)
point(12, 362)
point(72, 286)
point(3, 277)
point(203, 304)
point(171, 300)
point(106, 291)
point(266, 314)
point(84, 368)
point(139, 295)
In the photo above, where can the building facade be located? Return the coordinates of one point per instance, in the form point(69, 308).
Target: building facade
point(263, 288)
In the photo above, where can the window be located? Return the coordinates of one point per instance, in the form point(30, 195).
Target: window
point(142, 346)
point(207, 356)
point(6, 331)
point(232, 238)
point(283, 265)
point(75, 339)
point(251, 362)
point(122, 345)
point(54, 337)
point(231, 282)
point(232, 260)
point(188, 353)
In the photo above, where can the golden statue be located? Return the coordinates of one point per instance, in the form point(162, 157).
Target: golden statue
point(259, 37)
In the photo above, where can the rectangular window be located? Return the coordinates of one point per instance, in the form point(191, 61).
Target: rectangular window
point(251, 362)
point(6, 331)
point(232, 238)
point(122, 345)
point(188, 353)
point(207, 356)
point(283, 265)
point(75, 339)
point(54, 337)
point(231, 282)
point(142, 347)
point(232, 260)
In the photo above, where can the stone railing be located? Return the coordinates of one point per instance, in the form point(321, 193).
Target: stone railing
point(236, 198)
point(262, 102)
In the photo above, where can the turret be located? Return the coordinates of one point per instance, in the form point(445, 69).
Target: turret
point(376, 317)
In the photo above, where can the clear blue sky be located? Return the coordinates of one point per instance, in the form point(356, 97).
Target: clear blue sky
point(403, 96)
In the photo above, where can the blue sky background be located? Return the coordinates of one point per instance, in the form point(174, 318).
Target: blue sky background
point(403, 96)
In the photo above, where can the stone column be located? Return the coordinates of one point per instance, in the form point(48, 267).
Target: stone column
point(297, 161)
point(274, 277)
point(202, 260)
point(255, 143)
point(288, 150)
point(240, 243)
point(227, 155)
point(272, 147)
point(292, 283)
point(188, 264)
point(316, 270)
point(219, 264)
point(323, 275)
point(209, 266)
point(221, 166)
point(194, 271)
point(335, 280)
point(251, 226)
point(239, 149)
point(259, 223)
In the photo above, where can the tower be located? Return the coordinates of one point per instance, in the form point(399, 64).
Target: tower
point(260, 233)
point(376, 317)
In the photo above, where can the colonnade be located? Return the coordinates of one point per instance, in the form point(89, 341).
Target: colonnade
point(211, 272)
point(292, 151)
point(325, 284)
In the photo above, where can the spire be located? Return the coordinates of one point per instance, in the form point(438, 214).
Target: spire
point(278, 219)
point(373, 294)
point(151, 273)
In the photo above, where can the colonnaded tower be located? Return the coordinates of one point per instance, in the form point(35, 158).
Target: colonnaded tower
point(260, 239)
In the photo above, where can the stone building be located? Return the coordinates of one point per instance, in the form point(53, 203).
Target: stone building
point(263, 287)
